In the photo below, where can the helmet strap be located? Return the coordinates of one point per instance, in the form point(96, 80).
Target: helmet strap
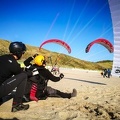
point(18, 54)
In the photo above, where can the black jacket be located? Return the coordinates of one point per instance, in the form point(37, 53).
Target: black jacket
point(42, 70)
point(9, 67)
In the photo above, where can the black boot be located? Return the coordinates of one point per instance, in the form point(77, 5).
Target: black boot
point(63, 95)
point(66, 95)
point(18, 107)
point(74, 93)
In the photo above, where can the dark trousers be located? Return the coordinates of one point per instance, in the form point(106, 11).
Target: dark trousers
point(56, 93)
point(19, 82)
point(43, 93)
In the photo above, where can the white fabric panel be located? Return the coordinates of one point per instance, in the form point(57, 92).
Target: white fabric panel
point(115, 15)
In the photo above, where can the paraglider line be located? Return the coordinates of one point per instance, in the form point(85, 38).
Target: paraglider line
point(69, 20)
point(51, 25)
point(87, 23)
point(77, 20)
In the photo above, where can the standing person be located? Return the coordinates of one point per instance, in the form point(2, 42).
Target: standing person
point(12, 76)
point(39, 88)
point(55, 69)
point(109, 73)
point(105, 73)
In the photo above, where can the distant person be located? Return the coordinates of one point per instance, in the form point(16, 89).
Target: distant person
point(55, 69)
point(108, 73)
point(105, 73)
point(37, 88)
point(101, 73)
point(12, 76)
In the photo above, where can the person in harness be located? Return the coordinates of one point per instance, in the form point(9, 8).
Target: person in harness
point(12, 76)
point(55, 69)
point(37, 87)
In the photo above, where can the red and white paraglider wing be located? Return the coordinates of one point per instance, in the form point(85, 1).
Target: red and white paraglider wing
point(101, 41)
point(57, 41)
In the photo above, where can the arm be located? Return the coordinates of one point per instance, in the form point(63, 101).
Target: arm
point(53, 78)
point(27, 61)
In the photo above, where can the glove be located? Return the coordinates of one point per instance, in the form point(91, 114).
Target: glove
point(35, 72)
point(61, 76)
point(35, 55)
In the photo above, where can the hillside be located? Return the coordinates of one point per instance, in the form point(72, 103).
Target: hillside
point(61, 59)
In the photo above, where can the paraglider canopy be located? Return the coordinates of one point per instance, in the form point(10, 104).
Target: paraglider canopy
point(57, 41)
point(101, 41)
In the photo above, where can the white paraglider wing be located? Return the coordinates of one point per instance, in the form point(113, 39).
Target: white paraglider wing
point(114, 6)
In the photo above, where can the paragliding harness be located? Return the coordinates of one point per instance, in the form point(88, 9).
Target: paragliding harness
point(40, 81)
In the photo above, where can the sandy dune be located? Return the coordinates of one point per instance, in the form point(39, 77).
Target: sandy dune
point(98, 98)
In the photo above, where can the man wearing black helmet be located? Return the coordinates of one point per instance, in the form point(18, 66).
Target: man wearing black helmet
point(12, 76)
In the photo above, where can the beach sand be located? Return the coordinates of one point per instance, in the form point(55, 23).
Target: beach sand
point(98, 98)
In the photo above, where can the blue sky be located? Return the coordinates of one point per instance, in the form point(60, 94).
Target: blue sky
point(77, 22)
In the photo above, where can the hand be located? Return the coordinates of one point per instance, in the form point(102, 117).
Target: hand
point(61, 75)
point(35, 55)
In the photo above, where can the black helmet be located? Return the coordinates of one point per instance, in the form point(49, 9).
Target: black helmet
point(17, 48)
